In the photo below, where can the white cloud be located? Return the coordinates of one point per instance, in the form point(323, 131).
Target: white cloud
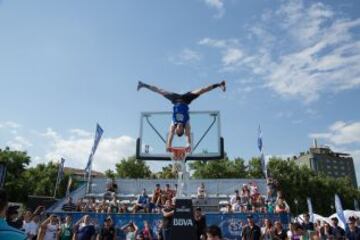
point(19, 143)
point(301, 51)
point(218, 5)
point(186, 56)
point(10, 125)
point(232, 56)
point(80, 132)
point(76, 149)
point(341, 133)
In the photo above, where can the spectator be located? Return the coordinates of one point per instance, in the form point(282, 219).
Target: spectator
point(49, 228)
point(6, 231)
point(251, 231)
point(65, 231)
point(130, 230)
point(353, 232)
point(281, 206)
point(201, 192)
point(69, 206)
point(337, 231)
point(156, 196)
point(237, 205)
point(107, 232)
point(113, 205)
point(168, 192)
point(298, 232)
point(233, 198)
point(279, 232)
point(307, 225)
point(213, 233)
point(168, 214)
point(325, 231)
point(146, 232)
point(200, 224)
point(31, 223)
point(12, 217)
point(84, 229)
point(142, 202)
point(111, 186)
point(267, 230)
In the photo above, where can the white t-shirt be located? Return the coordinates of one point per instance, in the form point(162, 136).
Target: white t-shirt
point(50, 233)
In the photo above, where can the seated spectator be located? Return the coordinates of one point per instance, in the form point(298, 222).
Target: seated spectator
point(168, 192)
point(6, 231)
point(107, 231)
point(237, 205)
point(142, 202)
point(281, 206)
point(85, 230)
point(69, 206)
point(245, 194)
point(156, 195)
point(113, 205)
point(233, 198)
point(65, 231)
point(201, 192)
point(298, 232)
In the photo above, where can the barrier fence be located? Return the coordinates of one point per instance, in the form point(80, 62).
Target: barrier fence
point(231, 224)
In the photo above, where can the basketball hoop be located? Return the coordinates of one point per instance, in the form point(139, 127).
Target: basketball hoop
point(178, 157)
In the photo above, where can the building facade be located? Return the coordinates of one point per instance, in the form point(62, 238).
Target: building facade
point(324, 160)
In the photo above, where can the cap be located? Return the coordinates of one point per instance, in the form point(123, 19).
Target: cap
point(249, 216)
point(12, 210)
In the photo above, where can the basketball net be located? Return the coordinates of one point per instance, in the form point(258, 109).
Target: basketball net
point(178, 157)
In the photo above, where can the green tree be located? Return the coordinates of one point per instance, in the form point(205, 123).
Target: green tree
point(254, 168)
point(110, 174)
point(300, 182)
point(132, 168)
point(166, 172)
point(15, 183)
point(223, 168)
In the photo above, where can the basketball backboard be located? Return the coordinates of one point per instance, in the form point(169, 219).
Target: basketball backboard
point(207, 143)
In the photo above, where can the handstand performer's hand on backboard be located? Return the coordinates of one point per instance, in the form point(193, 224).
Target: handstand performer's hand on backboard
point(180, 118)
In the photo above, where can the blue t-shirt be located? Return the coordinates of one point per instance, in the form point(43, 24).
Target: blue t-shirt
point(10, 233)
point(181, 113)
point(86, 232)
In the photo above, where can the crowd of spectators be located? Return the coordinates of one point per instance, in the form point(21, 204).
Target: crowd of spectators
point(249, 200)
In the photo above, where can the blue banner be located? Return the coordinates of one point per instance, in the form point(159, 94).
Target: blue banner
point(339, 209)
point(98, 133)
point(231, 224)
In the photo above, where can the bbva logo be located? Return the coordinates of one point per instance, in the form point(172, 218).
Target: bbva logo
point(183, 222)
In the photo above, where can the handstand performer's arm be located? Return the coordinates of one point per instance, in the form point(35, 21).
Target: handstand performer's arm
point(170, 137)
point(188, 137)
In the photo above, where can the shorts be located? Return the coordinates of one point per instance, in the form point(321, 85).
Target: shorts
point(181, 98)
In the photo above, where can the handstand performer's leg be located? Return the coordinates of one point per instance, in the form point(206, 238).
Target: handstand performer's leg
point(203, 90)
point(152, 88)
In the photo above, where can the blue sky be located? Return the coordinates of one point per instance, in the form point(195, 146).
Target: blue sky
point(291, 66)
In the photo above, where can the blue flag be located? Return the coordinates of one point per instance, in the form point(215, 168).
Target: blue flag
point(98, 133)
point(260, 142)
point(310, 209)
point(339, 209)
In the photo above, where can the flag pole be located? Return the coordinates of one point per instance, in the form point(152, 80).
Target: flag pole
point(57, 179)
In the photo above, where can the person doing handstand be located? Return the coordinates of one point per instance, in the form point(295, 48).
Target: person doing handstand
point(180, 114)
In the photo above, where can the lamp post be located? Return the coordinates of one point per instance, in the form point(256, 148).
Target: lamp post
point(332, 208)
